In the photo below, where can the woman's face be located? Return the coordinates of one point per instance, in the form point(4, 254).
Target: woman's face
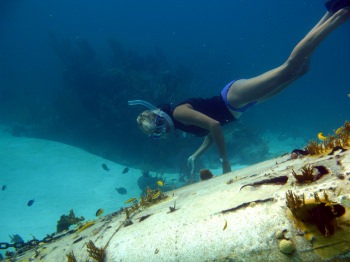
point(153, 124)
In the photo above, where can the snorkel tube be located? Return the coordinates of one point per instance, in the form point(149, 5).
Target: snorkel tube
point(142, 103)
point(155, 110)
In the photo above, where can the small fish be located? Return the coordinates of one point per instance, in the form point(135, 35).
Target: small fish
point(99, 212)
point(321, 136)
point(144, 217)
point(133, 199)
point(3, 188)
point(339, 130)
point(121, 190)
point(83, 227)
point(225, 225)
point(156, 195)
point(349, 95)
point(126, 170)
point(105, 167)
point(160, 183)
point(30, 202)
point(280, 180)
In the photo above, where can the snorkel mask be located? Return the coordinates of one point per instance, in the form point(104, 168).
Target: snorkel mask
point(162, 124)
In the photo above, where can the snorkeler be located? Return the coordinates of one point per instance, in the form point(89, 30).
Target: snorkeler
point(204, 117)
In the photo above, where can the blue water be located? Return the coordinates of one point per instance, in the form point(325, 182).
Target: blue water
point(49, 48)
point(217, 42)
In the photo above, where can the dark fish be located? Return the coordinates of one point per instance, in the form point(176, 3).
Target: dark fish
point(280, 180)
point(30, 202)
point(144, 217)
point(3, 187)
point(247, 204)
point(121, 190)
point(99, 212)
point(336, 149)
point(105, 167)
point(126, 170)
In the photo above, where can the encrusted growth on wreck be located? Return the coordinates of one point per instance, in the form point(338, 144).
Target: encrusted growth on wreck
point(294, 201)
point(150, 198)
point(310, 173)
point(71, 257)
point(96, 253)
point(343, 134)
point(346, 127)
point(317, 211)
point(205, 174)
point(306, 175)
point(344, 138)
point(340, 138)
point(330, 142)
point(67, 220)
point(314, 148)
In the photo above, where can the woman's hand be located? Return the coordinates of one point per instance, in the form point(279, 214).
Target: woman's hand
point(226, 167)
point(191, 164)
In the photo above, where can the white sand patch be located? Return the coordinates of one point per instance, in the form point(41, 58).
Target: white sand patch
point(58, 177)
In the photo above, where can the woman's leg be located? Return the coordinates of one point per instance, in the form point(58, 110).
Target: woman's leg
point(270, 83)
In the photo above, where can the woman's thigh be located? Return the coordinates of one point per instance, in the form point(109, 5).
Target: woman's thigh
point(259, 88)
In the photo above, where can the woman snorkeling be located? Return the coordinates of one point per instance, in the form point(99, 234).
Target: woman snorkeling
point(204, 117)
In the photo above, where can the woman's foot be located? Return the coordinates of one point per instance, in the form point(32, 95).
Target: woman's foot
point(342, 15)
point(335, 5)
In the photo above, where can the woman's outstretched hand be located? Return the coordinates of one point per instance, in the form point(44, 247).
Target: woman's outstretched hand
point(191, 164)
point(226, 167)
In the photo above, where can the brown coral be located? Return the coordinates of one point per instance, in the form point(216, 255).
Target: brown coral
point(317, 211)
point(306, 174)
point(310, 173)
point(314, 148)
point(71, 257)
point(151, 197)
point(346, 127)
point(67, 220)
point(96, 253)
point(205, 174)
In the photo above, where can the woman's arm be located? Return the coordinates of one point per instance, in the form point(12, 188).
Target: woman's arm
point(188, 116)
point(208, 141)
point(204, 147)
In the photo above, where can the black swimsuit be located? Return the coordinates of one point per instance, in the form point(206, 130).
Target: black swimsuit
point(214, 107)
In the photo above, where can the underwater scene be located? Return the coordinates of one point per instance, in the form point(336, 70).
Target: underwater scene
point(71, 148)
